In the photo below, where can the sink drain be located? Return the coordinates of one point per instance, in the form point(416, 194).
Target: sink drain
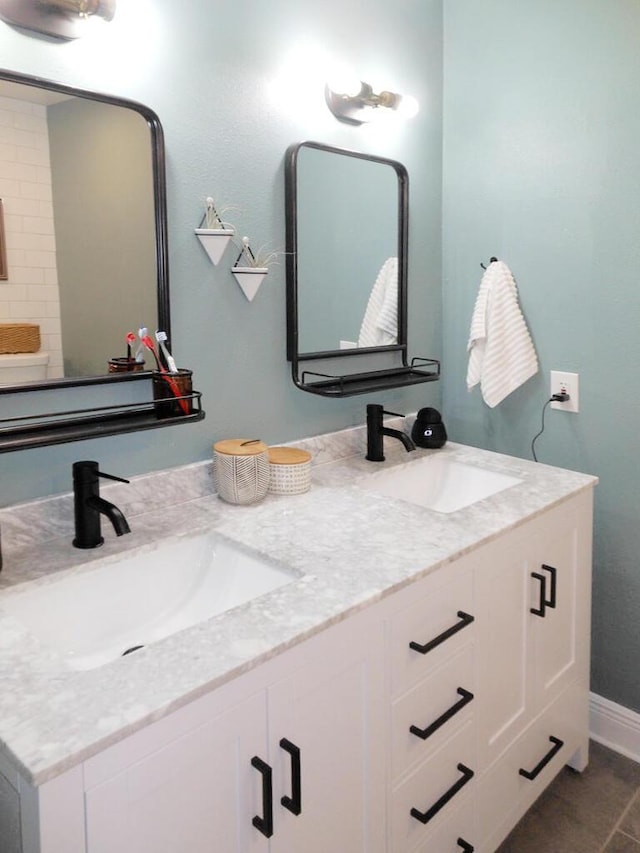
point(132, 649)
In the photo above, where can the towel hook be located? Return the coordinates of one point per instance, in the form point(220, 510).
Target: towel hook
point(491, 261)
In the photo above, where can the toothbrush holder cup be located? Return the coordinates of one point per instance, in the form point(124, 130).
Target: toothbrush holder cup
point(172, 393)
point(125, 365)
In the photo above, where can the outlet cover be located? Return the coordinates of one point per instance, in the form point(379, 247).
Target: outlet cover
point(563, 382)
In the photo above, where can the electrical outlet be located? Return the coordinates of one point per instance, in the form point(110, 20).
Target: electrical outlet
point(565, 383)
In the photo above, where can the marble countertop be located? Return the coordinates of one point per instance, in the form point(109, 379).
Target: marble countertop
point(348, 546)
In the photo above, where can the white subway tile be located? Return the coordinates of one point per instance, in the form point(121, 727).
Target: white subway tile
point(13, 292)
point(27, 276)
point(26, 310)
point(40, 259)
point(37, 225)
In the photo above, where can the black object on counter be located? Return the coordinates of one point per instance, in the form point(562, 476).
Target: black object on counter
point(428, 429)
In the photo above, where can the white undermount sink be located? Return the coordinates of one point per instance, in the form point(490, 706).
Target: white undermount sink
point(97, 614)
point(438, 482)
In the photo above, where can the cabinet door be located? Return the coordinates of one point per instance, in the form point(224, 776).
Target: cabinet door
point(503, 604)
point(197, 794)
point(555, 605)
point(331, 710)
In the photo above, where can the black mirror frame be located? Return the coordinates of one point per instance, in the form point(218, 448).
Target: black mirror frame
point(160, 217)
point(342, 386)
point(21, 432)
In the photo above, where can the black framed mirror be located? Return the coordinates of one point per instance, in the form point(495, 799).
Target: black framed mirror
point(84, 201)
point(347, 218)
point(85, 227)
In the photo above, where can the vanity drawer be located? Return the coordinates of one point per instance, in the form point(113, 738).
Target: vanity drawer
point(456, 834)
point(434, 628)
point(435, 791)
point(423, 718)
point(541, 750)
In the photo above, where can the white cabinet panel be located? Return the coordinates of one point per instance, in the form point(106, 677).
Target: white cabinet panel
point(434, 790)
point(435, 708)
point(503, 605)
point(331, 708)
point(444, 609)
point(197, 794)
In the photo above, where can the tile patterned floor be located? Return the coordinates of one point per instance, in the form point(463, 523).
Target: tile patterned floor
point(597, 811)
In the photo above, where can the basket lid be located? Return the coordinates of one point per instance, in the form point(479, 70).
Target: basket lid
point(288, 456)
point(240, 446)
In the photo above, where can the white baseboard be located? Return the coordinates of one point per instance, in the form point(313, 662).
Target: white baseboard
point(614, 726)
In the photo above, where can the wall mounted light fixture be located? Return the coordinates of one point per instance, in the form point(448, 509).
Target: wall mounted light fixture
point(357, 103)
point(64, 19)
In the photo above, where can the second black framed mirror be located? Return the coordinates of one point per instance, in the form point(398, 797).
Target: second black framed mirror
point(347, 219)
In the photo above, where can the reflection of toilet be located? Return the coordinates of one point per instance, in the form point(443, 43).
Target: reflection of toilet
point(23, 367)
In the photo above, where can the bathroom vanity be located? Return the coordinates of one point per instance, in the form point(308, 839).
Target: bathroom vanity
point(414, 687)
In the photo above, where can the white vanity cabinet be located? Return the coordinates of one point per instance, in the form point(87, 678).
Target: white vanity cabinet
point(432, 647)
point(490, 663)
point(213, 775)
point(534, 603)
point(425, 723)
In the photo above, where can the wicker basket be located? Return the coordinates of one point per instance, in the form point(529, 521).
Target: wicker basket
point(19, 337)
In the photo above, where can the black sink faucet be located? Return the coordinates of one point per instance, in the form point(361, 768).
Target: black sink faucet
point(376, 432)
point(88, 505)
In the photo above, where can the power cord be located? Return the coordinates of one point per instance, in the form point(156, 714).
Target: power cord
point(555, 398)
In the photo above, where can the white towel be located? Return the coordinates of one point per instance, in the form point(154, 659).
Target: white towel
point(501, 353)
point(380, 322)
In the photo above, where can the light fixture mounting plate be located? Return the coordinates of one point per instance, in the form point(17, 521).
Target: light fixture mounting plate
point(39, 17)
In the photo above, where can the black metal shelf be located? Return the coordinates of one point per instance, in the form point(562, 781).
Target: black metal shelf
point(374, 380)
point(20, 433)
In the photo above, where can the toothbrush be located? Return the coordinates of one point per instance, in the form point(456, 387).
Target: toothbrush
point(139, 356)
point(148, 343)
point(171, 382)
point(130, 339)
point(161, 337)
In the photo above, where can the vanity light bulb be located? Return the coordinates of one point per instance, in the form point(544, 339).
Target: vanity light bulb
point(343, 83)
point(408, 106)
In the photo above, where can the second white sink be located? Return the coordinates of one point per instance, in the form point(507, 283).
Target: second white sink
point(438, 482)
point(97, 614)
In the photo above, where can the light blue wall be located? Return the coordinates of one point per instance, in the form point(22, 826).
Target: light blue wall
point(206, 68)
point(542, 169)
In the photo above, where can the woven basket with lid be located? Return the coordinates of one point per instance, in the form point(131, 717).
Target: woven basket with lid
point(241, 470)
point(19, 337)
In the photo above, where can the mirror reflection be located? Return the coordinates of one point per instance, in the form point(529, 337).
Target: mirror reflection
point(77, 184)
point(347, 237)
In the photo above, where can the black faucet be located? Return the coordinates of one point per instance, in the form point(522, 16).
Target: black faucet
point(376, 432)
point(88, 505)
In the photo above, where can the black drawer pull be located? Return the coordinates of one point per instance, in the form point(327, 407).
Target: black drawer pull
point(544, 601)
point(465, 619)
point(425, 817)
point(264, 823)
point(551, 601)
point(453, 710)
point(294, 802)
point(468, 848)
point(531, 774)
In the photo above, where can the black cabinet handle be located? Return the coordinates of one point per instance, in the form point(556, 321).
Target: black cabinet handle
point(425, 817)
point(531, 774)
point(465, 619)
point(551, 601)
point(294, 802)
point(264, 823)
point(544, 601)
point(468, 848)
point(453, 710)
